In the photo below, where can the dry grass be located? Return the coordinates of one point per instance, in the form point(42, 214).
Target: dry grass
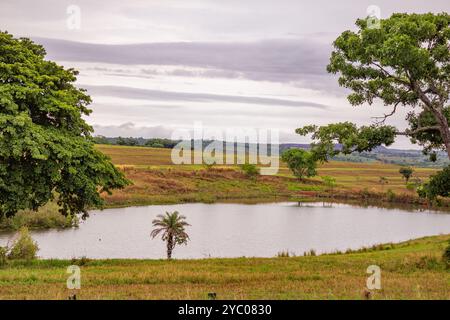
point(411, 270)
point(157, 180)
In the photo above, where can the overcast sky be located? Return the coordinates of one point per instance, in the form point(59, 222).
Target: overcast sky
point(154, 66)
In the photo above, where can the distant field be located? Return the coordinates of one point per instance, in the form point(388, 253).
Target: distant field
point(349, 175)
point(411, 270)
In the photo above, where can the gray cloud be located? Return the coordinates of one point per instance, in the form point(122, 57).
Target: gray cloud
point(270, 60)
point(147, 94)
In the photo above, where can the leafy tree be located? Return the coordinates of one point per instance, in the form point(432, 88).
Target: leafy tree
point(301, 162)
point(404, 63)
point(439, 185)
point(406, 172)
point(46, 147)
point(172, 227)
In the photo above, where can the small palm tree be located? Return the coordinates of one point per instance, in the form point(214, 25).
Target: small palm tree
point(172, 227)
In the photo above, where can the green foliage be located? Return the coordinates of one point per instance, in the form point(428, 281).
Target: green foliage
point(250, 170)
point(330, 182)
point(127, 141)
point(46, 148)
point(446, 255)
point(390, 195)
point(3, 255)
point(172, 226)
point(161, 143)
point(24, 248)
point(439, 185)
point(348, 137)
point(302, 163)
point(406, 172)
point(405, 62)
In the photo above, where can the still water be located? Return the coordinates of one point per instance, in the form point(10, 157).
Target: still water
point(236, 230)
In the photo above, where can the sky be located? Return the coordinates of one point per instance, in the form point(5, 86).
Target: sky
point(155, 66)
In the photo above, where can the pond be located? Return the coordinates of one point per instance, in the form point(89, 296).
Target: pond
point(236, 230)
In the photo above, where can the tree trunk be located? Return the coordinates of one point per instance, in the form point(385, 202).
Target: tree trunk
point(444, 128)
point(169, 247)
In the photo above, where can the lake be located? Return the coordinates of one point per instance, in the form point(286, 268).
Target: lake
point(236, 230)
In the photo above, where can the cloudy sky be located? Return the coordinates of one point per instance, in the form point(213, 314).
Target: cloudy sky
point(157, 65)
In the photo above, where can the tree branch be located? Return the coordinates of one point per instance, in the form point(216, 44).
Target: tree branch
point(418, 130)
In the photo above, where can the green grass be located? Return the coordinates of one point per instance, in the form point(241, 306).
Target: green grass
point(410, 270)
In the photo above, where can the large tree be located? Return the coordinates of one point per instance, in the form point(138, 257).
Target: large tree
point(405, 62)
point(46, 148)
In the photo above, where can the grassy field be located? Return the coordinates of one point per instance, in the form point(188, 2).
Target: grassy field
point(410, 270)
point(156, 180)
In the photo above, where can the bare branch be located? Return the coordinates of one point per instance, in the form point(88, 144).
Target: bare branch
point(383, 118)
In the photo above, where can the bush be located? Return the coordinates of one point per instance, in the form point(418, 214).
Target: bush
point(446, 255)
point(24, 247)
point(250, 170)
point(390, 195)
point(439, 185)
point(3, 255)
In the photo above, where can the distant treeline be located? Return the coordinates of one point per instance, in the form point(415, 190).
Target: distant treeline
point(166, 143)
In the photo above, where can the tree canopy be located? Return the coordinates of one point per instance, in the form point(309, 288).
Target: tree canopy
point(404, 63)
point(46, 147)
point(302, 163)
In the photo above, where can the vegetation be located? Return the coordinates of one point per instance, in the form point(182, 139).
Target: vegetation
point(24, 247)
point(446, 255)
point(172, 226)
point(410, 270)
point(250, 170)
point(439, 185)
point(46, 149)
point(404, 62)
point(406, 172)
point(301, 162)
point(46, 217)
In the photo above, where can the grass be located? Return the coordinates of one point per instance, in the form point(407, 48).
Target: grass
point(158, 181)
point(410, 270)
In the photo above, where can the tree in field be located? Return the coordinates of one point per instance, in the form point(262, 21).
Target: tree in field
point(172, 227)
point(301, 162)
point(406, 172)
point(46, 148)
point(405, 63)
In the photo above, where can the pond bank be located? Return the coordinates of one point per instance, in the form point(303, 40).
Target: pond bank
point(410, 270)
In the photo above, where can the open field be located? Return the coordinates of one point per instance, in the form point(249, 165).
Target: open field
point(156, 180)
point(410, 270)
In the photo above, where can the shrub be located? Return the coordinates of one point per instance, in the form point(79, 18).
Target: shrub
point(439, 185)
point(250, 170)
point(390, 195)
point(3, 255)
point(446, 255)
point(24, 247)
